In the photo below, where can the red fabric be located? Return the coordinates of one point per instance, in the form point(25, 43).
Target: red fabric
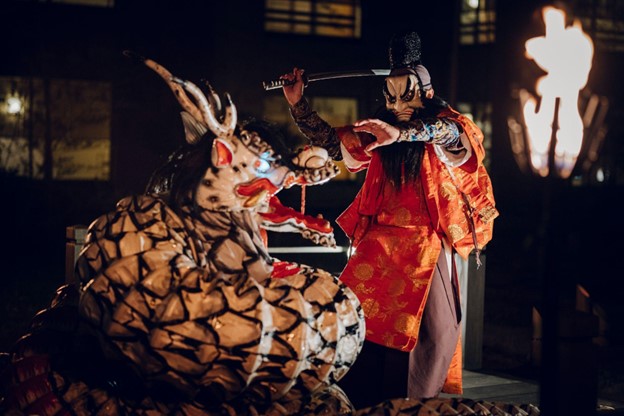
point(442, 193)
point(453, 382)
point(284, 269)
point(397, 234)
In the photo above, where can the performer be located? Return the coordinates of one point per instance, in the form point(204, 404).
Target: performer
point(426, 196)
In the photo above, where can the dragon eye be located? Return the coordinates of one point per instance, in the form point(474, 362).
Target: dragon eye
point(262, 166)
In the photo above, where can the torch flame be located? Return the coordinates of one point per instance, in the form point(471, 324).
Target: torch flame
point(565, 53)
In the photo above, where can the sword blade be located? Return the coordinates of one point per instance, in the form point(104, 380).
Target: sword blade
point(323, 76)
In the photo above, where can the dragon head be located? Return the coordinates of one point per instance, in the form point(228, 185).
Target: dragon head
point(231, 166)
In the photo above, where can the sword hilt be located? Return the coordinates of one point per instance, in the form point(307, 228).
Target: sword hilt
point(279, 83)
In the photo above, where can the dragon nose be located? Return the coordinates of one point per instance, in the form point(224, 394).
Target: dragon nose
point(311, 157)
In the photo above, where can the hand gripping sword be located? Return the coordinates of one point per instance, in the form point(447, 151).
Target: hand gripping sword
point(321, 76)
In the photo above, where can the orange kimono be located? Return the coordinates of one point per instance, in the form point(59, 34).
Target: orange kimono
point(397, 234)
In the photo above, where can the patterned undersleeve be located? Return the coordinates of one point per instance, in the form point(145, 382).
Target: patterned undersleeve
point(439, 131)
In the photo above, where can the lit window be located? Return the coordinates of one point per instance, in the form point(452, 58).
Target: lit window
point(477, 22)
point(603, 20)
point(68, 139)
point(337, 18)
point(337, 111)
point(82, 118)
point(91, 3)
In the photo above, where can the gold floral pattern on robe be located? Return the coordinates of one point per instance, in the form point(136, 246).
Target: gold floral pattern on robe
point(402, 237)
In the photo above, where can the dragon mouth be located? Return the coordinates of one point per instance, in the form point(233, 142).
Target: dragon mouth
point(256, 198)
point(256, 191)
point(284, 219)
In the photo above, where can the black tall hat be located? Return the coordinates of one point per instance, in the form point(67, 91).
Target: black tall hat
point(404, 50)
point(404, 54)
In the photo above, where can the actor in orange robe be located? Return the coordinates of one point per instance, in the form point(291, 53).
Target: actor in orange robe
point(426, 196)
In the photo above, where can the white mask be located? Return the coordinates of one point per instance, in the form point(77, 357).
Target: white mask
point(402, 94)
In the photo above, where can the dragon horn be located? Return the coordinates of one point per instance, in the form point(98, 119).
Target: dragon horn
point(177, 89)
point(207, 110)
point(212, 97)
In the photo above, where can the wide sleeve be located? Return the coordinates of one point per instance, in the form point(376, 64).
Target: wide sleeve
point(342, 143)
point(352, 148)
point(317, 130)
point(445, 134)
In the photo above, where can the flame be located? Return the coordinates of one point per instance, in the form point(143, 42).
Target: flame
point(565, 53)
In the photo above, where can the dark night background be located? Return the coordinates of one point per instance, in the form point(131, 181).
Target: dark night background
point(225, 42)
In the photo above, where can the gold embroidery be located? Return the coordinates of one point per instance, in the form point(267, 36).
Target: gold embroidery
point(487, 214)
point(393, 307)
point(402, 217)
point(363, 271)
point(430, 256)
point(412, 274)
point(362, 288)
point(407, 324)
point(448, 190)
point(388, 339)
point(396, 287)
point(419, 284)
point(409, 270)
point(456, 232)
point(370, 308)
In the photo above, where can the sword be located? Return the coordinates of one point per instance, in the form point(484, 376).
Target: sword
point(321, 76)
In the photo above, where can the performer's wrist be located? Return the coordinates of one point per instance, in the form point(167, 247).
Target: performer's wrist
point(293, 101)
point(413, 133)
point(301, 108)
